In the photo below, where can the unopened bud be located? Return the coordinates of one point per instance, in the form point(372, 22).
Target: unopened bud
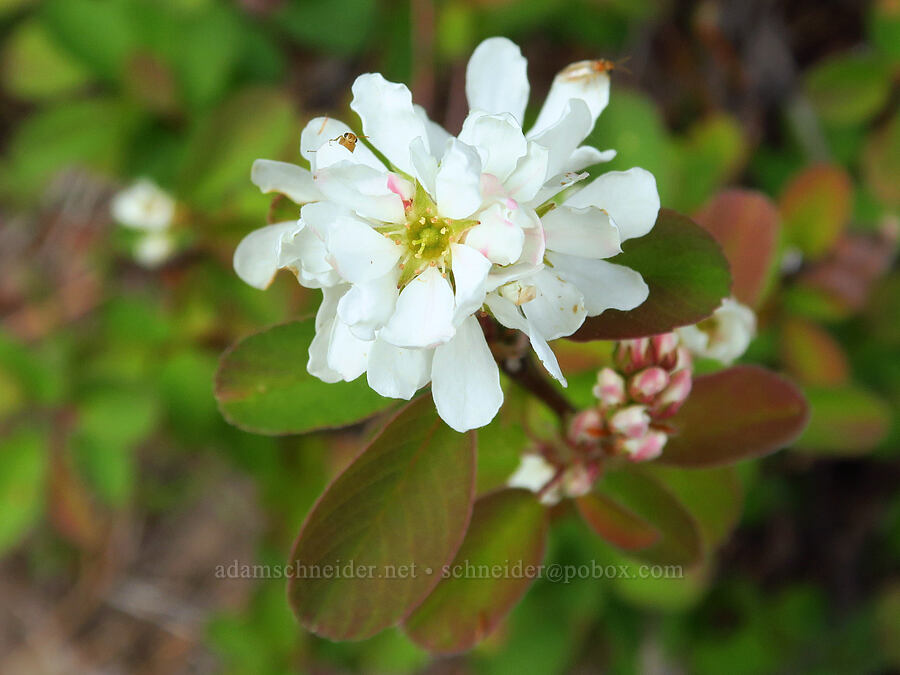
point(633, 355)
point(647, 384)
point(632, 421)
point(672, 398)
point(518, 293)
point(647, 447)
point(610, 387)
point(578, 480)
point(662, 348)
point(586, 427)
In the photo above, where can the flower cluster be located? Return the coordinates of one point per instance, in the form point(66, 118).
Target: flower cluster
point(145, 207)
point(410, 232)
point(651, 381)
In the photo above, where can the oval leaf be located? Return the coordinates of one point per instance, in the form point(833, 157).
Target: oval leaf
point(815, 206)
point(644, 495)
point(811, 355)
point(616, 524)
point(507, 534)
point(735, 414)
point(745, 223)
point(262, 386)
point(845, 420)
point(687, 274)
point(399, 510)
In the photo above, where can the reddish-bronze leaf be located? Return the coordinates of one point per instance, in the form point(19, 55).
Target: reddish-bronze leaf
point(811, 355)
point(496, 564)
point(815, 206)
point(615, 523)
point(735, 414)
point(745, 223)
point(362, 559)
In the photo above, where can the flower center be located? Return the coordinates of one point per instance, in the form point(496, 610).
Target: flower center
point(426, 237)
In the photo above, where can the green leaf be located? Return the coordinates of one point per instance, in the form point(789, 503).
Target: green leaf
point(342, 28)
point(815, 207)
point(262, 386)
point(849, 88)
point(35, 69)
point(207, 58)
point(811, 355)
point(687, 274)
point(252, 123)
point(501, 444)
point(23, 471)
point(396, 516)
point(884, 28)
point(735, 414)
point(746, 225)
point(644, 495)
point(881, 163)
point(845, 420)
point(615, 523)
point(496, 564)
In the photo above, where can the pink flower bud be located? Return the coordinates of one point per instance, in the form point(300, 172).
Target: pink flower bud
point(647, 384)
point(586, 426)
point(671, 399)
point(683, 359)
point(631, 421)
point(578, 480)
point(610, 387)
point(662, 348)
point(633, 355)
point(647, 447)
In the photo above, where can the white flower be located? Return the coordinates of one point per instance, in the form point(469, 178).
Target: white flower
point(143, 206)
point(406, 253)
point(533, 473)
point(724, 336)
point(153, 249)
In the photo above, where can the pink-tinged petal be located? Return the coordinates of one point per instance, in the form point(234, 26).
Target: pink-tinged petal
point(358, 252)
point(256, 257)
point(320, 147)
point(497, 238)
point(367, 306)
point(294, 182)
point(389, 120)
point(632, 421)
point(670, 401)
point(470, 270)
point(423, 317)
point(645, 385)
point(584, 81)
point(604, 284)
point(465, 380)
point(497, 79)
point(586, 427)
point(610, 387)
point(398, 373)
point(499, 140)
point(558, 310)
point(630, 197)
point(564, 136)
point(649, 446)
point(458, 181)
point(317, 366)
point(586, 233)
point(530, 174)
point(362, 189)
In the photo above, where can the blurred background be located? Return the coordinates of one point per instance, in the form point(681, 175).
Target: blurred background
point(122, 489)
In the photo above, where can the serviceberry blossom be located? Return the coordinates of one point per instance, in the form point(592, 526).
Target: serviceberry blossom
point(146, 207)
point(410, 232)
point(724, 336)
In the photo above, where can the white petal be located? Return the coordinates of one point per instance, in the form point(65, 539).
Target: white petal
point(143, 206)
point(256, 257)
point(320, 147)
point(347, 354)
point(511, 316)
point(470, 270)
point(367, 306)
point(358, 252)
point(363, 189)
point(294, 182)
point(425, 163)
point(630, 197)
point(587, 232)
point(530, 174)
point(389, 120)
point(396, 372)
point(557, 184)
point(458, 182)
point(465, 379)
point(437, 135)
point(497, 237)
point(498, 139)
point(587, 155)
point(603, 284)
point(533, 473)
point(582, 81)
point(497, 78)
point(317, 366)
point(564, 136)
point(424, 313)
point(558, 310)
point(304, 253)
